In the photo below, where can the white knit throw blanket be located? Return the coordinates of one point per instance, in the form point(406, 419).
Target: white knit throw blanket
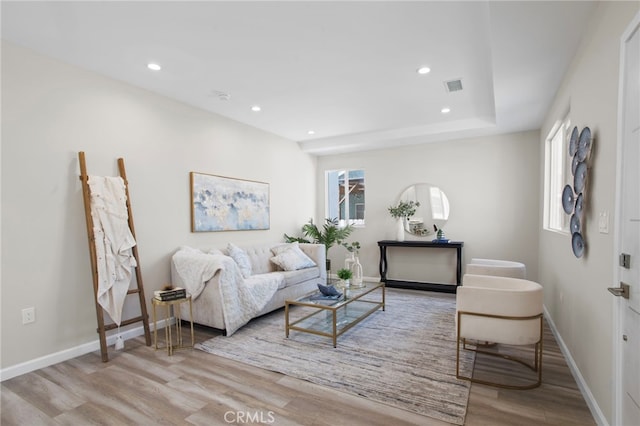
point(113, 242)
point(241, 299)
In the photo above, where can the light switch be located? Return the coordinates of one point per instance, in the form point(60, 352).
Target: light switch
point(603, 222)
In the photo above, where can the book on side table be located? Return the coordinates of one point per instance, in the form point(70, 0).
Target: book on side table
point(172, 294)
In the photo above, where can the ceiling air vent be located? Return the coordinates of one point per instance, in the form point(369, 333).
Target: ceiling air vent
point(453, 85)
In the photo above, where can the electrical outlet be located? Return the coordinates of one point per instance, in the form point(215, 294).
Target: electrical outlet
point(28, 315)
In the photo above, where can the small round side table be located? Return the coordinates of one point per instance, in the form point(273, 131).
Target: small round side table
point(172, 305)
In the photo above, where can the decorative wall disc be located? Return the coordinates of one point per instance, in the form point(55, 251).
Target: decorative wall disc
point(580, 177)
point(579, 204)
point(577, 243)
point(573, 142)
point(584, 144)
point(574, 165)
point(574, 225)
point(567, 199)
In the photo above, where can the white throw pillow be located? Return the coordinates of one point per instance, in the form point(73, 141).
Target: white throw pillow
point(293, 259)
point(280, 248)
point(241, 258)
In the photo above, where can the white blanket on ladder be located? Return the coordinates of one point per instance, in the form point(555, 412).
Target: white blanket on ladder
point(113, 242)
point(241, 299)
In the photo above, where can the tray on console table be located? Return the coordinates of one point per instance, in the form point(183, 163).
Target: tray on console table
point(447, 288)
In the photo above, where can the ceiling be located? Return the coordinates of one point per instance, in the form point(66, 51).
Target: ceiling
point(345, 70)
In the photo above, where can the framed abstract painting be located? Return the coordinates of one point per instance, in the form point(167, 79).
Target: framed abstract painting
point(221, 203)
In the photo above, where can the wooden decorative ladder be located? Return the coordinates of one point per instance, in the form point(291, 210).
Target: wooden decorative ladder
point(139, 290)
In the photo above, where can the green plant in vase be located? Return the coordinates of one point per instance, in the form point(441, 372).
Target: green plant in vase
point(353, 247)
point(353, 263)
point(345, 275)
point(401, 212)
point(404, 209)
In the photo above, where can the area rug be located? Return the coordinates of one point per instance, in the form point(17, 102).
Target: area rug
point(404, 357)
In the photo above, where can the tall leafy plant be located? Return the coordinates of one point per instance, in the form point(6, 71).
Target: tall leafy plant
point(329, 234)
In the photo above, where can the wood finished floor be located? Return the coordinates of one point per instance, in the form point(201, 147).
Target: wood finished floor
point(142, 386)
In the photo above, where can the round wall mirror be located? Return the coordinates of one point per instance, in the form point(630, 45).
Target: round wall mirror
point(433, 212)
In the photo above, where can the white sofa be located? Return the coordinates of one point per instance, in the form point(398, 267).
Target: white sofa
point(208, 306)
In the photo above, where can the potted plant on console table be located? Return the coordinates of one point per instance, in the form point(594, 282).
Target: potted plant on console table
point(401, 212)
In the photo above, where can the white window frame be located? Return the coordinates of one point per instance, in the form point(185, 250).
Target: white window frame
point(358, 223)
point(557, 174)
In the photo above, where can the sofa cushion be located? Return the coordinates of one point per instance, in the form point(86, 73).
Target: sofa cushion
point(293, 259)
point(301, 275)
point(241, 258)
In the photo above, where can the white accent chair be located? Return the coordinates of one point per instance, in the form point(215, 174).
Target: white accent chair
point(503, 310)
point(497, 268)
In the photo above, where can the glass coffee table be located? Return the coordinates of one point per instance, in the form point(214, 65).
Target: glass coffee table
point(331, 317)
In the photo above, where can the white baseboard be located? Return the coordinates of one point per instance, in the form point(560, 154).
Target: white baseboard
point(596, 412)
point(54, 358)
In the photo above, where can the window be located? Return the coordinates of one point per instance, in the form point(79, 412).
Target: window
point(345, 196)
point(557, 175)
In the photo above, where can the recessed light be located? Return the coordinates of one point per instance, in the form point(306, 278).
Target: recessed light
point(423, 70)
point(255, 108)
point(154, 67)
point(311, 132)
point(445, 110)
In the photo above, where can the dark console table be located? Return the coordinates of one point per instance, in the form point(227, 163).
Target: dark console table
point(447, 288)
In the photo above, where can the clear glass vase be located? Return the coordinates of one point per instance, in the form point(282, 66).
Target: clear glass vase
point(356, 269)
point(349, 261)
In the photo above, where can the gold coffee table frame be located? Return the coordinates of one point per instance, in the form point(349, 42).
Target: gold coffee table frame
point(331, 318)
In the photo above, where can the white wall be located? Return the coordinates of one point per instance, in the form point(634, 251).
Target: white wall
point(576, 289)
point(492, 184)
point(50, 111)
